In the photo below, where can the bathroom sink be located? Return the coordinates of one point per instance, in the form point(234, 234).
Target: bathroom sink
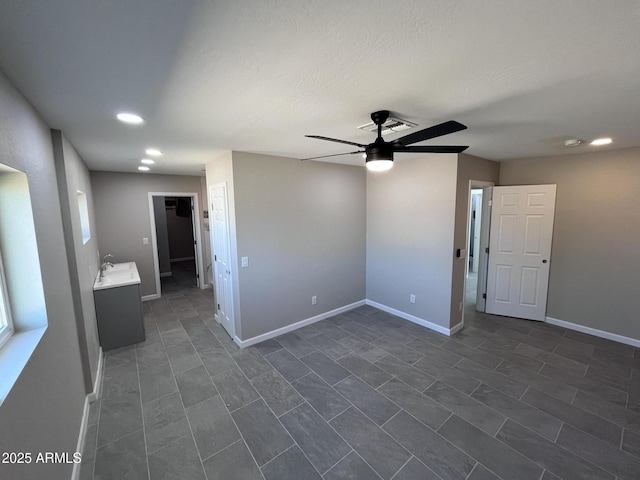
point(120, 275)
point(118, 268)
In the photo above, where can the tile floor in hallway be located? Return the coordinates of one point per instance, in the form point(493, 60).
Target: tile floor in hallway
point(363, 395)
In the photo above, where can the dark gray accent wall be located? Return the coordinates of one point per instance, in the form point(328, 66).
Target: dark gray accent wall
point(594, 272)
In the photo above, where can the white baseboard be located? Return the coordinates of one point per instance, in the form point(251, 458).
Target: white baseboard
point(181, 259)
point(414, 319)
point(93, 396)
point(146, 298)
point(295, 326)
point(166, 274)
point(88, 400)
point(594, 331)
point(455, 329)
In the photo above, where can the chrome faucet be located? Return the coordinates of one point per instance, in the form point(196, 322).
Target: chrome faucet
point(105, 264)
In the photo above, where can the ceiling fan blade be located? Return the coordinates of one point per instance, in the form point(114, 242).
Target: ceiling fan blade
point(334, 155)
point(431, 149)
point(432, 132)
point(336, 140)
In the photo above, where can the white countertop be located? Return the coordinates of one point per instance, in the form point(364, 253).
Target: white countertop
point(119, 275)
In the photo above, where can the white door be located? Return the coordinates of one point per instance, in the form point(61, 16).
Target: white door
point(222, 256)
point(520, 250)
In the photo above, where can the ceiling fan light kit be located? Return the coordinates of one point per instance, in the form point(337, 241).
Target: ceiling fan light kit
point(379, 154)
point(379, 165)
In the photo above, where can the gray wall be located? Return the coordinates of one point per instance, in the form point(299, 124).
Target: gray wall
point(43, 411)
point(469, 168)
point(122, 215)
point(83, 256)
point(410, 226)
point(594, 273)
point(302, 225)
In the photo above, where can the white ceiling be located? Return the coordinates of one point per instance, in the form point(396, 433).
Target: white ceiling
point(257, 75)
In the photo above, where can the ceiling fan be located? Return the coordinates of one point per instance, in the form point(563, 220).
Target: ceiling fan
point(379, 154)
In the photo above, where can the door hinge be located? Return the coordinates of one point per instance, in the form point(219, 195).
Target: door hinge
point(218, 306)
point(215, 258)
point(484, 295)
point(490, 202)
point(197, 275)
point(195, 242)
point(486, 250)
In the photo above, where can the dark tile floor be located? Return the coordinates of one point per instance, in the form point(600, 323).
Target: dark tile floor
point(363, 395)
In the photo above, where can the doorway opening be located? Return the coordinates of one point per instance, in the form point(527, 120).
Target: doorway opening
point(175, 231)
point(479, 213)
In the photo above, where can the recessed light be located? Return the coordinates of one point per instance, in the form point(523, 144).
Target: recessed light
point(154, 152)
point(143, 169)
point(572, 142)
point(130, 118)
point(601, 141)
point(147, 161)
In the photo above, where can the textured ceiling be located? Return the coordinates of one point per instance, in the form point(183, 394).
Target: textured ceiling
point(257, 75)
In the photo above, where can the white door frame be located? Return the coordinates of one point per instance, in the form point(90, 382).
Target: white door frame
point(483, 264)
point(484, 243)
point(154, 239)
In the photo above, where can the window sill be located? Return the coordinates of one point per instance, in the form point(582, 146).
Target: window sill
point(14, 355)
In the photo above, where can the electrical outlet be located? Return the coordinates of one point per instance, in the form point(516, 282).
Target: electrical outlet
point(314, 300)
point(145, 241)
point(412, 298)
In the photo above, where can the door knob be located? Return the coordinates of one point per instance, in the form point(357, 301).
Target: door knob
point(544, 261)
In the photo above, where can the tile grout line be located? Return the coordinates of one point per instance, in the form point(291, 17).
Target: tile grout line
point(226, 406)
point(144, 433)
point(295, 443)
point(345, 456)
point(472, 470)
point(403, 465)
point(331, 426)
point(184, 409)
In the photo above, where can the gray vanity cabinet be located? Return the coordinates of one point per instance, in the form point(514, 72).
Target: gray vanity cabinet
point(119, 315)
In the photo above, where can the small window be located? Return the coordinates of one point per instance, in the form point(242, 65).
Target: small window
point(84, 216)
point(6, 323)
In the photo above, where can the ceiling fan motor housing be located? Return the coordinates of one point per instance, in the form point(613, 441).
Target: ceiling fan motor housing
point(379, 151)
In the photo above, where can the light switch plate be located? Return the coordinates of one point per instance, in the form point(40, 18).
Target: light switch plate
point(245, 262)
